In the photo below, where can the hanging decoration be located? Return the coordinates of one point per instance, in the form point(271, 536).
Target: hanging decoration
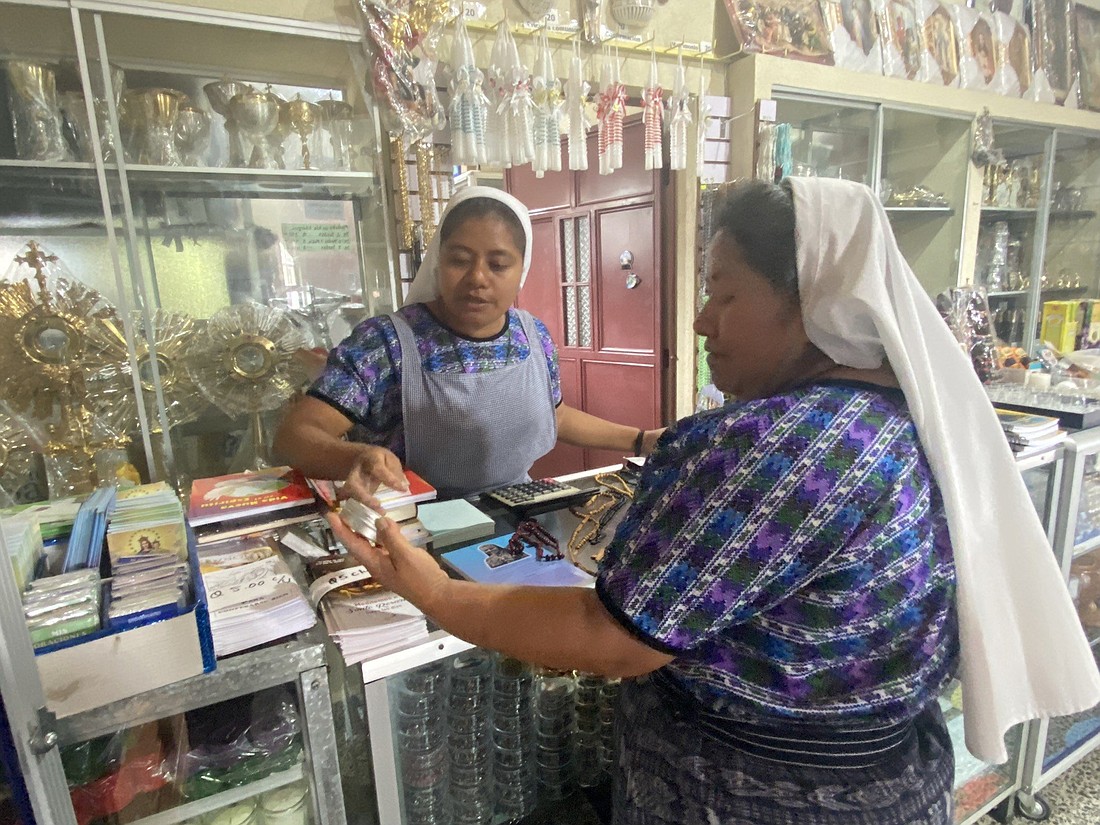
point(404, 208)
point(592, 11)
point(424, 193)
point(519, 109)
point(468, 101)
point(652, 120)
point(547, 97)
point(609, 114)
point(576, 92)
point(497, 89)
point(701, 126)
point(679, 120)
point(390, 32)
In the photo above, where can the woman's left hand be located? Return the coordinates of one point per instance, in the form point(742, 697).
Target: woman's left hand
point(408, 571)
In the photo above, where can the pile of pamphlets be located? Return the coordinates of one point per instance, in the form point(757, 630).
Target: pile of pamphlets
point(252, 595)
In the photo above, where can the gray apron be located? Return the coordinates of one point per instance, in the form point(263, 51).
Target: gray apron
point(469, 432)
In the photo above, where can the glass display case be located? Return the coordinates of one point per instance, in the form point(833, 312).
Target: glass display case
point(1057, 744)
point(217, 179)
point(916, 160)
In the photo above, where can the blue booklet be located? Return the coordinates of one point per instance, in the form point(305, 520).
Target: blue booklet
point(490, 562)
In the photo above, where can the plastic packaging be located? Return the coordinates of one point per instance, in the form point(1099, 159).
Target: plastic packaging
point(977, 51)
point(853, 35)
point(966, 311)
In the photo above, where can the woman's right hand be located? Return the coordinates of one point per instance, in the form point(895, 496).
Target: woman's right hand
point(374, 466)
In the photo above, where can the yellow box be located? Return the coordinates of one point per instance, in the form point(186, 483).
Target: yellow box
point(1059, 327)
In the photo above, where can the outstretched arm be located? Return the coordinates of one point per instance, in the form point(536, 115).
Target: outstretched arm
point(584, 430)
point(311, 438)
point(557, 627)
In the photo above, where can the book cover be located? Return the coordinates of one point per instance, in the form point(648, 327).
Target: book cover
point(491, 562)
point(1022, 423)
point(391, 499)
point(451, 522)
point(242, 495)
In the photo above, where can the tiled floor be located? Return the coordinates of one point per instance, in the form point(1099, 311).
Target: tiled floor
point(1074, 796)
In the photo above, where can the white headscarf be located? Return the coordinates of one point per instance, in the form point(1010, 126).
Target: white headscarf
point(1024, 654)
point(425, 286)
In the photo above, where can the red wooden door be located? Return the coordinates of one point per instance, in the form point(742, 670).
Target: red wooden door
point(595, 282)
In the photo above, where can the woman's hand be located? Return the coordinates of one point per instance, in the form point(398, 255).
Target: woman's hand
point(649, 440)
point(373, 466)
point(394, 563)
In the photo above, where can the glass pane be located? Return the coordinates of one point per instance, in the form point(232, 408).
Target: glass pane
point(585, 312)
point(976, 783)
point(572, 337)
point(569, 250)
point(1071, 264)
point(923, 186)
point(584, 250)
point(1006, 240)
point(238, 761)
point(827, 139)
point(1067, 734)
point(1037, 481)
point(258, 223)
point(1088, 508)
point(50, 201)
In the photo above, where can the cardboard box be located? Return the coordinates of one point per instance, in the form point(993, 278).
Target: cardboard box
point(1059, 325)
point(108, 665)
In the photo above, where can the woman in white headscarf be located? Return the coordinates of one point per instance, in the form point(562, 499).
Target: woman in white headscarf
point(458, 385)
point(803, 571)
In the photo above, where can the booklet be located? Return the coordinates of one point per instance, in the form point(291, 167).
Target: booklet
point(491, 562)
point(245, 495)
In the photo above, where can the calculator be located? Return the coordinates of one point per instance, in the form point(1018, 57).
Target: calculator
point(540, 493)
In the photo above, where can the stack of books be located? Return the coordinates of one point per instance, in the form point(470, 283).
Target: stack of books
point(252, 595)
point(222, 507)
point(1030, 433)
point(364, 619)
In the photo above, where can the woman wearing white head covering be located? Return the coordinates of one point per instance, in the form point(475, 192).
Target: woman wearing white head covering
point(803, 571)
point(458, 385)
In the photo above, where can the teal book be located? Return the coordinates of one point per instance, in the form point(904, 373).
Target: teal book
point(455, 522)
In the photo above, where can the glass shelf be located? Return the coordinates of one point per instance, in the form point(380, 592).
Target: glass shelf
point(997, 213)
point(1065, 292)
point(920, 211)
point(276, 183)
point(193, 810)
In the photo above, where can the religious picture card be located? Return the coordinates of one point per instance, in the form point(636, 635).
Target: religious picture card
point(788, 28)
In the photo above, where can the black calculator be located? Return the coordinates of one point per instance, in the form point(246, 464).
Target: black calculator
point(543, 492)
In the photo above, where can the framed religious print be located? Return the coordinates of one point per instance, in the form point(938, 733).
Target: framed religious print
point(906, 34)
point(940, 45)
point(984, 49)
point(1087, 23)
point(789, 28)
point(858, 19)
point(1018, 55)
point(1050, 44)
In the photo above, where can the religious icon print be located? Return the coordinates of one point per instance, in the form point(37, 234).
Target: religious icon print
point(906, 34)
point(981, 46)
point(939, 38)
point(858, 19)
point(789, 28)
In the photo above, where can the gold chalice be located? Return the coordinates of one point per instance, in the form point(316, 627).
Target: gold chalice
point(257, 116)
point(34, 112)
point(219, 94)
point(192, 135)
point(305, 117)
point(158, 111)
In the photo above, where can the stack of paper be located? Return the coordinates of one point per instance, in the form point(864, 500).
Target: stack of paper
point(252, 595)
point(1030, 433)
point(147, 520)
point(144, 587)
point(363, 618)
point(455, 522)
point(23, 538)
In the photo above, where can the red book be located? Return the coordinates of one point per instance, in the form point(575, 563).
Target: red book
point(244, 495)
